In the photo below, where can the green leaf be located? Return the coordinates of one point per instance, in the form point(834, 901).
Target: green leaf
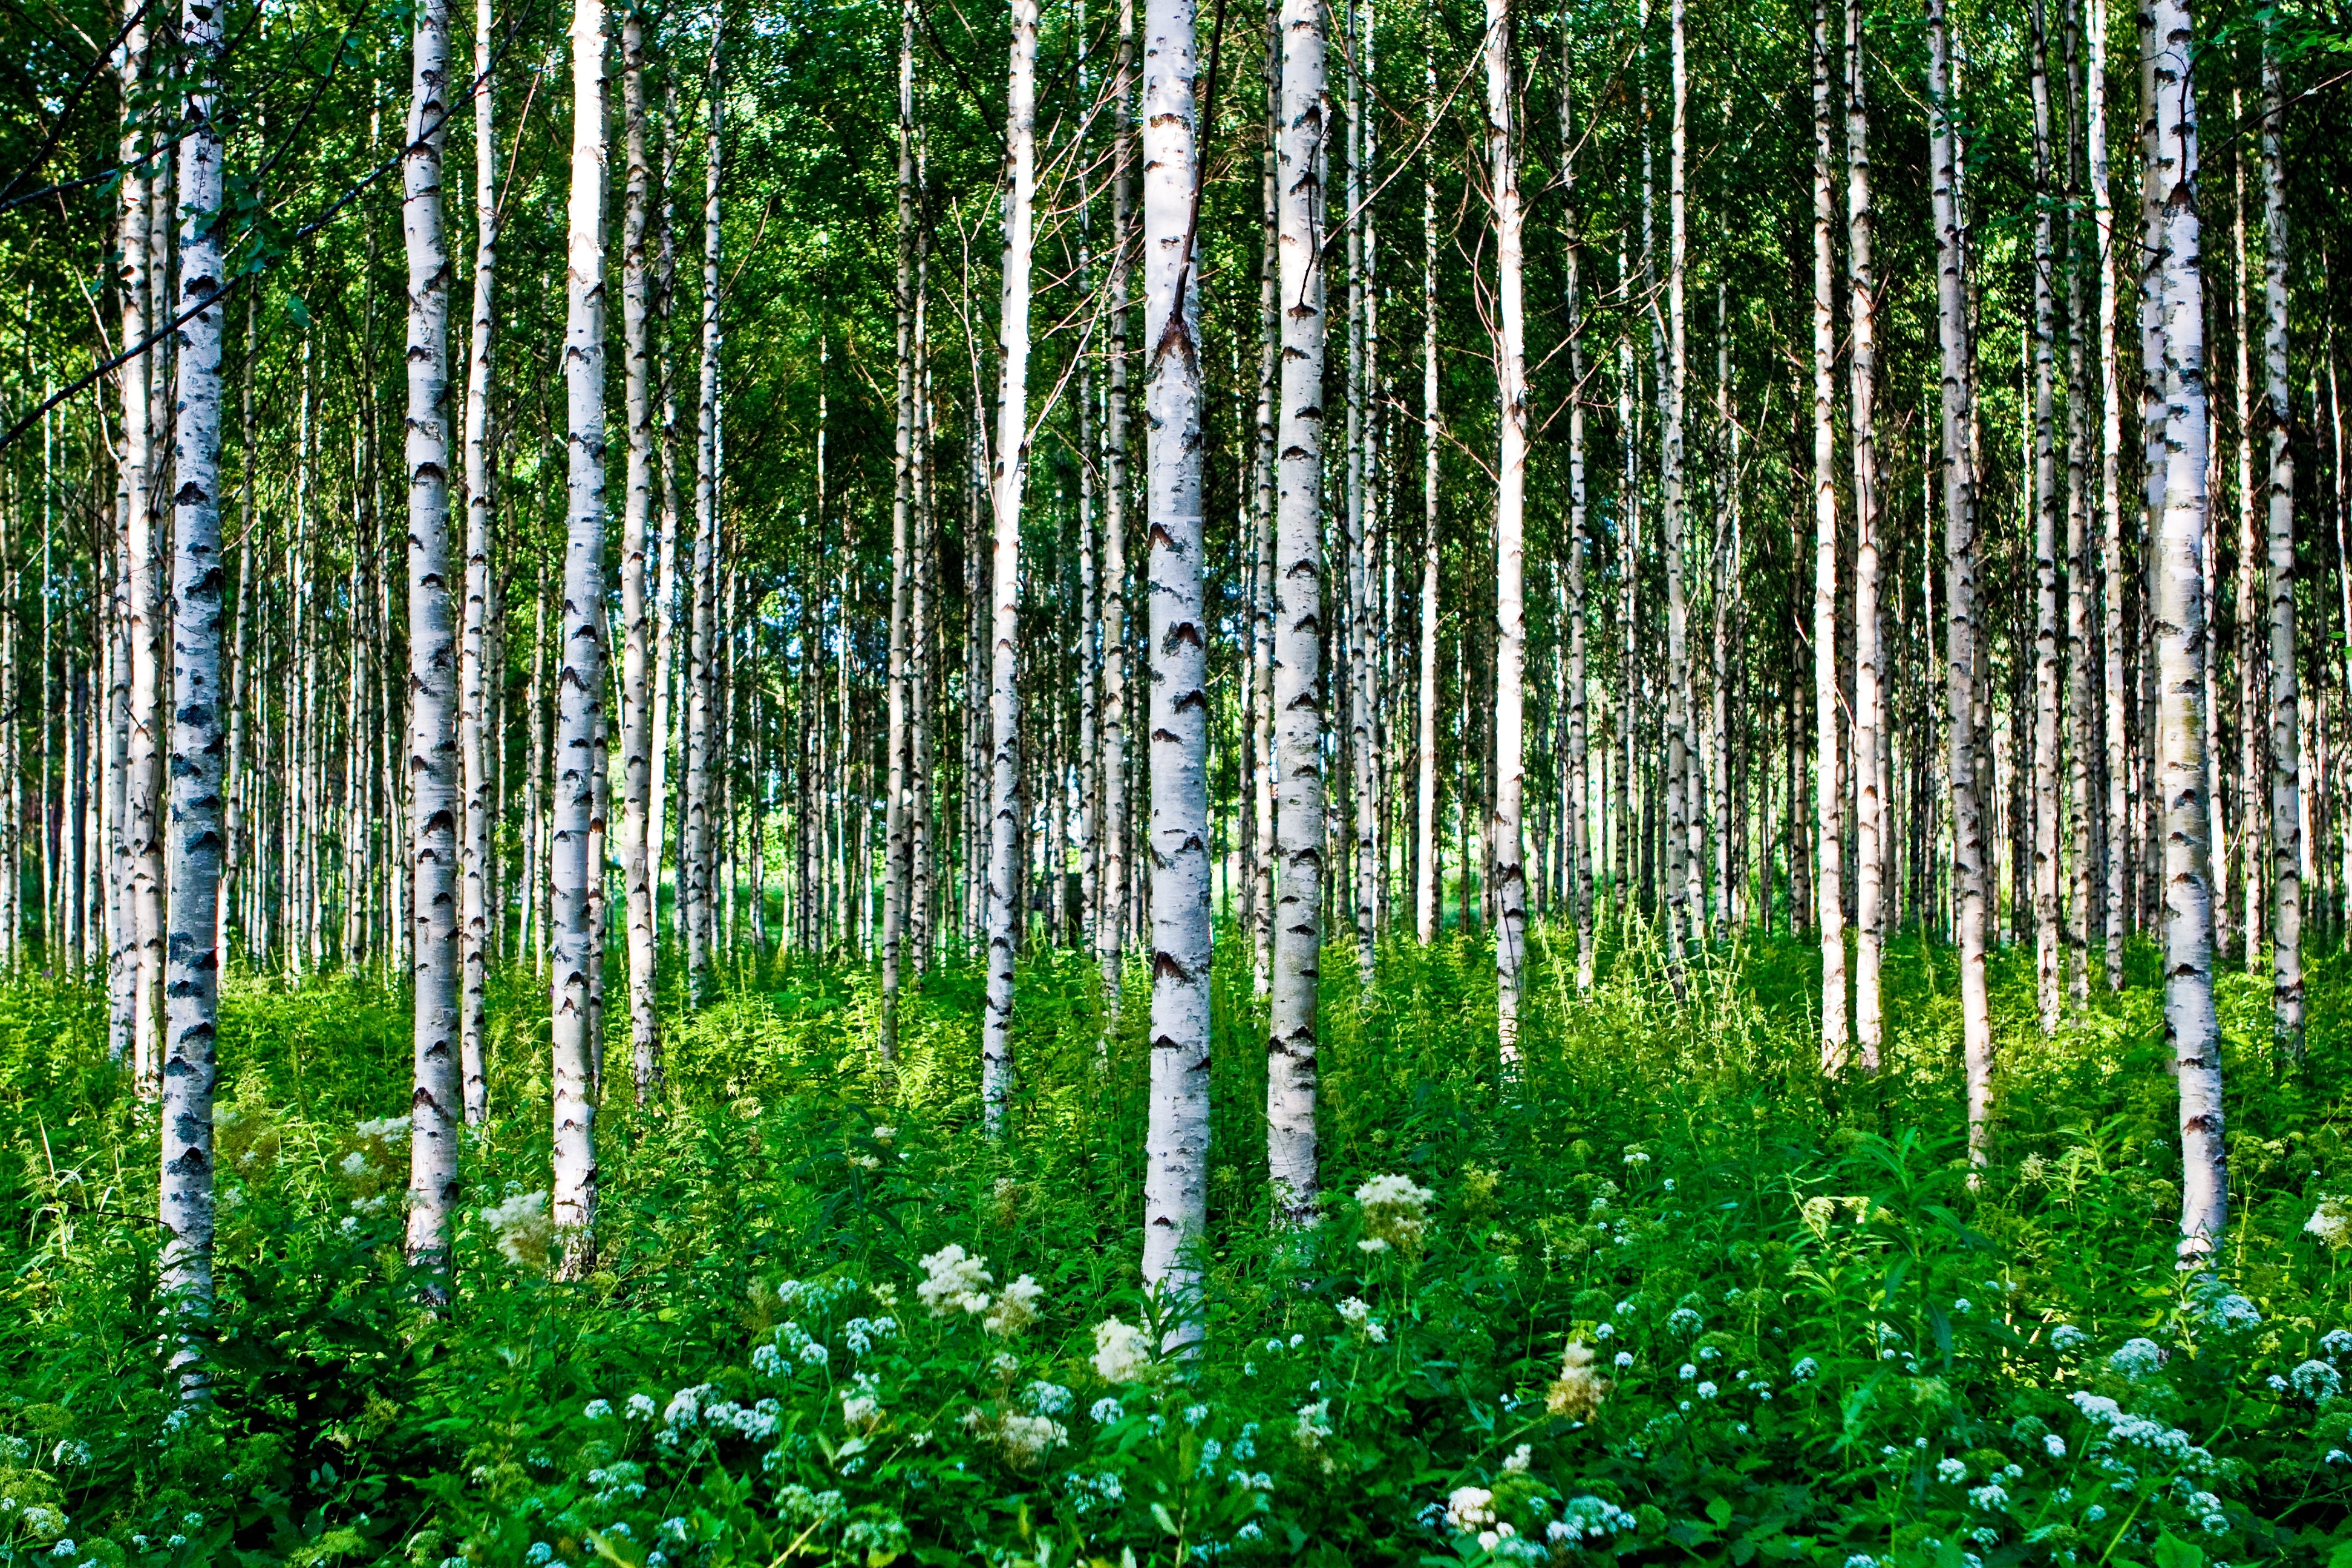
point(2172, 1551)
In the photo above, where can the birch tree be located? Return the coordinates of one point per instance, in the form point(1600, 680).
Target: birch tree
point(2049, 956)
point(1011, 462)
point(1828, 701)
point(2286, 738)
point(475, 729)
point(579, 692)
point(1301, 122)
point(1176, 1153)
point(895, 876)
point(190, 1064)
point(1111, 919)
point(437, 1105)
point(1871, 809)
point(640, 851)
point(133, 464)
point(1510, 503)
point(2191, 1027)
point(1960, 629)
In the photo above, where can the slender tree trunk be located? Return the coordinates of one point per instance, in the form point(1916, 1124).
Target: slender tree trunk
point(475, 735)
point(1301, 122)
point(1961, 631)
point(640, 850)
point(1262, 479)
point(695, 850)
point(1871, 806)
point(896, 875)
point(2116, 835)
point(579, 689)
point(2082, 719)
point(1012, 458)
point(2287, 748)
point(131, 1037)
point(437, 1105)
point(2190, 1025)
point(1431, 905)
point(1175, 1192)
point(1828, 701)
point(1579, 546)
point(1510, 599)
point(2048, 957)
point(190, 1065)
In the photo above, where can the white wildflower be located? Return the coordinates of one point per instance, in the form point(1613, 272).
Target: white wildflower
point(953, 1281)
point(1122, 1351)
point(1394, 1211)
point(2332, 1223)
point(1521, 1457)
point(521, 1227)
point(1017, 1309)
point(2137, 1358)
point(1470, 1507)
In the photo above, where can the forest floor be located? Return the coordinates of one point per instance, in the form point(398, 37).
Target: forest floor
point(1666, 1294)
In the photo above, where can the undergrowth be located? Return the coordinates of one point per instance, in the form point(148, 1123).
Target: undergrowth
point(1661, 1293)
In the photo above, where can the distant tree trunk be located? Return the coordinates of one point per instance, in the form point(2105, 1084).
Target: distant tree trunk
point(580, 699)
point(1685, 867)
point(2048, 956)
point(134, 464)
point(437, 1105)
point(1429, 911)
point(2190, 1025)
point(1871, 805)
point(1011, 458)
point(896, 876)
point(1579, 546)
point(2081, 716)
point(1511, 472)
point(640, 851)
point(190, 1065)
point(2286, 745)
point(1176, 1154)
point(1261, 479)
point(1301, 122)
point(694, 851)
point(1111, 920)
point(1828, 701)
point(1961, 639)
point(476, 735)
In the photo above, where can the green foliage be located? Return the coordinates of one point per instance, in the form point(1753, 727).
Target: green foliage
point(1663, 1293)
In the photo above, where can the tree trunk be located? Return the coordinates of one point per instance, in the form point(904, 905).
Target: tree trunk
point(640, 850)
point(1012, 458)
point(1110, 926)
point(1301, 122)
point(1961, 636)
point(1828, 702)
point(2286, 759)
point(136, 459)
point(1262, 477)
point(1175, 1187)
point(2048, 956)
point(190, 1066)
point(580, 699)
point(2082, 718)
point(1429, 911)
point(2190, 1025)
point(437, 1105)
point(1871, 805)
point(1579, 546)
point(896, 876)
point(694, 849)
point(2117, 827)
point(1511, 471)
point(476, 735)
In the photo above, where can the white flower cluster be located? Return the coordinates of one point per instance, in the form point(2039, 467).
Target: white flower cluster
point(1087, 1493)
point(2137, 1358)
point(2067, 1337)
point(1357, 1314)
point(1015, 1309)
point(1122, 1351)
point(953, 1282)
point(1588, 1519)
point(386, 1130)
point(1042, 1398)
point(2120, 1426)
point(2332, 1223)
point(521, 1227)
point(1469, 1508)
point(2335, 1342)
point(859, 1333)
point(1022, 1440)
point(1314, 1424)
point(1683, 1320)
point(2317, 1381)
point(1395, 1212)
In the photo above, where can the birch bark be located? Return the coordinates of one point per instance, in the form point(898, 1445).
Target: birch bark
point(580, 688)
point(475, 735)
point(2286, 749)
point(2115, 825)
point(640, 851)
point(1302, 120)
point(1011, 457)
point(1580, 545)
point(896, 873)
point(2190, 1025)
point(1871, 805)
point(131, 506)
point(1430, 895)
point(1111, 920)
point(1828, 701)
point(1510, 504)
point(694, 849)
point(2048, 957)
point(190, 1066)
point(437, 1105)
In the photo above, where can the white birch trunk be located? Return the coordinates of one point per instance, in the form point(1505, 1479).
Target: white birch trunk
point(1111, 917)
point(1510, 503)
point(640, 851)
point(2049, 955)
point(1262, 478)
point(1829, 706)
point(2190, 1025)
point(1301, 122)
point(2115, 834)
point(896, 876)
point(132, 506)
point(1871, 805)
point(476, 735)
point(1960, 565)
point(1428, 912)
point(190, 1066)
point(436, 1105)
point(1580, 543)
point(580, 688)
point(695, 846)
point(1012, 459)
point(1176, 1152)
point(2286, 747)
